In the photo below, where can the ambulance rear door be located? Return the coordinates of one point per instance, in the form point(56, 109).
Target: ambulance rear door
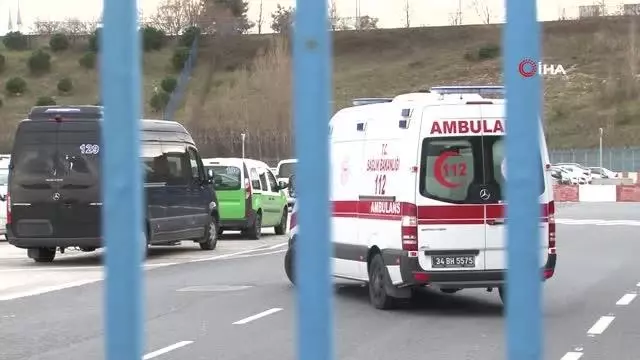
point(449, 196)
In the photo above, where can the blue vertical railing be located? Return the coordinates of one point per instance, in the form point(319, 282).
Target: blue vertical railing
point(122, 215)
point(177, 96)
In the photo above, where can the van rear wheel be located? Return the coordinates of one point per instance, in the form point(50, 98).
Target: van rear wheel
point(379, 281)
point(289, 265)
point(255, 230)
point(42, 254)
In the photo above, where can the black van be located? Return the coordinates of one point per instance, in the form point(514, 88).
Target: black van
point(54, 196)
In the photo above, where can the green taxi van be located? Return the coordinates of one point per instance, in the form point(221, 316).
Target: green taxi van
point(249, 196)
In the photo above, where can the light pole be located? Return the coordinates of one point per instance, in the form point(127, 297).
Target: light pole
point(242, 136)
point(601, 132)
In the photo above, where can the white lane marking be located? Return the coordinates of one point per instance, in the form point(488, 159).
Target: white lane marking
point(277, 246)
point(598, 222)
point(257, 316)
point(626, 299)
point(47, 289)
point(260, 254)
point(167, 349)
point(601, 325)
point(217, 257)
point(71, 268)
point(572, 355)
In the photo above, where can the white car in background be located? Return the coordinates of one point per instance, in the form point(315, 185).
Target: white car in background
point(283, 172)
point(4, 180)
point(584, 172)
point(569, 175)
point(602, 173)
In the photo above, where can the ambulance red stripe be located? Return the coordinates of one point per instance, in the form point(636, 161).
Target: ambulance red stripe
point(466, 214)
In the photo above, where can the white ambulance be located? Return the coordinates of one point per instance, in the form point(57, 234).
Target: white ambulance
point(418, 189)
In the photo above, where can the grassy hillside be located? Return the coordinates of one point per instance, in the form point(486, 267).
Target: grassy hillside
point(246, 87)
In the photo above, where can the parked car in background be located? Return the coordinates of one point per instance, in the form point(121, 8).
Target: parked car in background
point(602, 173)
point(569, 175)
point(249, 196)
point(577, 167)
point(284, 171)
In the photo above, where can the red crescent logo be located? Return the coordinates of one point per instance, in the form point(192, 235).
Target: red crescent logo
point(437, 169)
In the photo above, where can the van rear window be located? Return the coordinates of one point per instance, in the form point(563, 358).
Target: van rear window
point(226, 177)
point(456, 169)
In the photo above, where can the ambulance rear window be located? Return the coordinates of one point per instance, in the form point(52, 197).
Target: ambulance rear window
point(456, 169)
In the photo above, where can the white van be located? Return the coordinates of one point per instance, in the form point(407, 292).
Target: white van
point(417, 186)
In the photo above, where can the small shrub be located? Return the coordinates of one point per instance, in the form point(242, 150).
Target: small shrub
point(1, 102)
point(45, 101)
point(159, 101)
point(39, 62)
point(94, 41)
point(65, 85)
point(169, 84)
point(59, 42)
point(3, 63)
point(188, 36)
point(88, 60)
point(15, 41)
point(152, 38)
point(179, 58)
point(485, 52)
point(16, 86)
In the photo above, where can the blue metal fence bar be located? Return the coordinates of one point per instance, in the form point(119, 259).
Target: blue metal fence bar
point(120, 76)
point(312, 93)
point(521, 39)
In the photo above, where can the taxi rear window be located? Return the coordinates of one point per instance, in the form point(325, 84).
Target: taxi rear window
point(456, 169)
point(226, 177)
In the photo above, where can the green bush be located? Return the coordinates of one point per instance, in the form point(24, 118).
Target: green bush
point(169, 84)
point(152, 38)
point(188, 36)
point(3, 63)
point(159, 101)
point(45, 101)
point(59, 42)
point(65, 85)
point(88, 60)
point(485, 52)
point(16, 86)
point(15, 41)
point(94, 41)
point(179, 58)
point(39, 62)
point(1, 102)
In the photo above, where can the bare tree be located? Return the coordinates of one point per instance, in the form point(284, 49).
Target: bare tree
point(260, 19)
point(46, 27)
point(282, 19)
point(483, 10)
point(368, 23)
point(75, 28)
point(455, 19)
point(407, 14)
point(173, 16)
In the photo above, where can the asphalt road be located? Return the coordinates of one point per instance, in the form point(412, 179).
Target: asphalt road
point(236, 303)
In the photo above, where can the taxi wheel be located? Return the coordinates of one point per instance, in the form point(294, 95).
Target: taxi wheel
point(281, 228)
point(378, 283)
point(255, 231)
point(289, 265)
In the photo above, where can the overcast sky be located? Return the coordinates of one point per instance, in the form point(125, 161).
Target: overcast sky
point(390, 12)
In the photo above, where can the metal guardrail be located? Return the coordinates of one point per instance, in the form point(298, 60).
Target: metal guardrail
point(122, 214)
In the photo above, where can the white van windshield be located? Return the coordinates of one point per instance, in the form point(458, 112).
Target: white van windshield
point(457, 169)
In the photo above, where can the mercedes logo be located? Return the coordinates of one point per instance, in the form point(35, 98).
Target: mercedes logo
point(484, 194)
point(56, 196)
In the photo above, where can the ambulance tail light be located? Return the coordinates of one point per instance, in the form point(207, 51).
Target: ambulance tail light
point(552, 227)
point(409, 227)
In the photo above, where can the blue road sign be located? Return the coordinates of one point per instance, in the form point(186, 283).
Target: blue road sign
point(521, 39)
point(120, 77)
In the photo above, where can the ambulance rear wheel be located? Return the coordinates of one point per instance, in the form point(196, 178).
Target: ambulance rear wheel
point(289, 265)
point(379, 281)
point(503, 295)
